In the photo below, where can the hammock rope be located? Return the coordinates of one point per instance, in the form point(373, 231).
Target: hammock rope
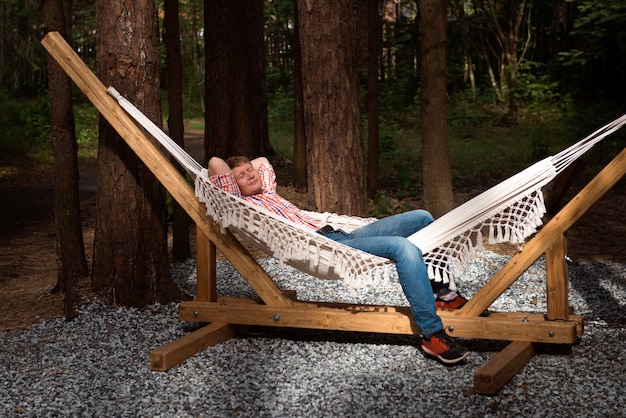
point(510, 211)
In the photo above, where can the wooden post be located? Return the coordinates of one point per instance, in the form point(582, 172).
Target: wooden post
point(557, 281)
point(206, 274)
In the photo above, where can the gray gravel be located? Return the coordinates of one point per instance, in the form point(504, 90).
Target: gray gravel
point(98, 364)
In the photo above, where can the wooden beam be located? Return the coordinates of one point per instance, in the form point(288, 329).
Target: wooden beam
point(557, 281)
point(206, 268)
point(551, 232)
point(501, 368)
point(174, 353)
point(517, 326)
point(367, 319)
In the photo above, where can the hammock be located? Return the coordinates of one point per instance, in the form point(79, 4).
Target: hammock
point(510, 211)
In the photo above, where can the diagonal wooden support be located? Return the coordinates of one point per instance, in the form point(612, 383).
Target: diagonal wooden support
point(174, 353)
point(500, 369)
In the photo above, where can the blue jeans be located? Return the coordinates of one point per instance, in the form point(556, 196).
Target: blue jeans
point(387, 238)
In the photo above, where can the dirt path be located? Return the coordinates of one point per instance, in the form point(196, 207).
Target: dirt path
point(27, 238)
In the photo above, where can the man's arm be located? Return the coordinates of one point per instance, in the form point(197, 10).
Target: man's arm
point(257, 162)
point(217, 166)
point(221, 176)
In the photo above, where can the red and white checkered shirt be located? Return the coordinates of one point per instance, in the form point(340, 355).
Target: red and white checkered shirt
point(268, 198)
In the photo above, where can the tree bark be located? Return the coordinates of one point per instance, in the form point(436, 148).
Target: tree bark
point(130, 250)
point(438, 197)
point(236, 91)
point(299, 136)
point(70, 247)
point(180, 220)
point(373, 152)
point(331, 107)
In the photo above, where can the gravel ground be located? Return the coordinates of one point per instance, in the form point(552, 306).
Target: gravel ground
point(98, 364)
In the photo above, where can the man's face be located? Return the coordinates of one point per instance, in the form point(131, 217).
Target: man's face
point(248, 179)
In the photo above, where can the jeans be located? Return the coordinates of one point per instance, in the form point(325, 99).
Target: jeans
point(387, 238)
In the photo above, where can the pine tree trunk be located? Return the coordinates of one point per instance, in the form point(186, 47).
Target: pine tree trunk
point(175, 123)
point(438, 195)
point(236, 90)
point(130, 249)
point(299, 136)
point(70, 247)
point(331, 107)
point(373, 151)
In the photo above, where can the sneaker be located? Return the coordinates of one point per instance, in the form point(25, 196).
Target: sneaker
point(442, 346)
point(454, 303)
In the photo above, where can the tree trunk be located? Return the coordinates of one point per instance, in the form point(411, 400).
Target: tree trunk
point(180, 220)
point(373, 152)
point(507, 18)
point(130, 245)
point(236, 92)
point(70, 247)
point(331, 107)
point(438, 197)
point(299, 136)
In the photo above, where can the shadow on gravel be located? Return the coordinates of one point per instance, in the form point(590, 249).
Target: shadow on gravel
point(594, 282)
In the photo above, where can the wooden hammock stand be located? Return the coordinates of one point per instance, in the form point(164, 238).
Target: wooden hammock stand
point(278, 308)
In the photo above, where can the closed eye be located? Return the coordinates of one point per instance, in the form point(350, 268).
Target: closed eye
point(241, 175)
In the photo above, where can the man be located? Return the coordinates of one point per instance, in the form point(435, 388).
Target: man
point(255, 181)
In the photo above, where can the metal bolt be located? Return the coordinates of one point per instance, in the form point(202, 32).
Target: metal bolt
point(525, 320)
point(276, 318)
point(195, 314)
point(551, 333)
point(451, 328)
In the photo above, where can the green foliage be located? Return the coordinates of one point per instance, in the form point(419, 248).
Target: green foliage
point(23, 63)
point(279, 33)
point(602, 25)
point(400, 151)
point(535, 88)
point(280, 122)
point(24, 125)
point(387, 206)
point(589, 117)
point(486, 146)
point(594, 60)
point(382, 206)
point(86, 122)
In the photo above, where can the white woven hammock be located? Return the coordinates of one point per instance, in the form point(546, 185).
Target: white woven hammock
point(510, 211)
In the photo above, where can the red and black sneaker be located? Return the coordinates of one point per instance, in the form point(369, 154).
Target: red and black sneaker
point(448, 301)
point(442, 346)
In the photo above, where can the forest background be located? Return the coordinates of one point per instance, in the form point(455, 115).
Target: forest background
point(569, 78)
point(524, 79)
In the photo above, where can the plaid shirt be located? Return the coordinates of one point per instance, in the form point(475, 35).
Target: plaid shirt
point(268, 198)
